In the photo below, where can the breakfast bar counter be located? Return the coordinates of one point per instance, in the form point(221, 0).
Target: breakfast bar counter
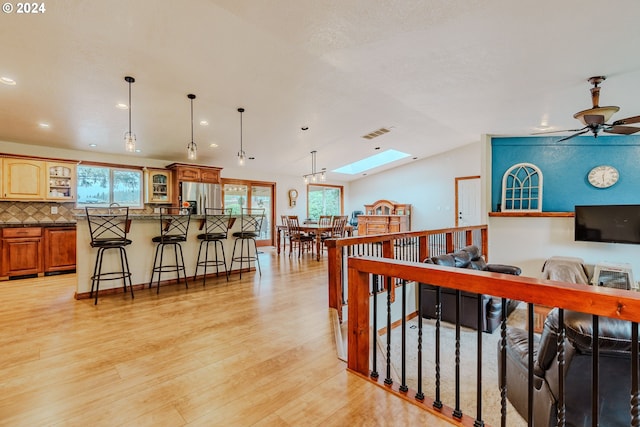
point(141, 252)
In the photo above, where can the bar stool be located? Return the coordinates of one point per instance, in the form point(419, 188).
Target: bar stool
point(174, 224)
point(250, 225)
point(108, 228)
point(216, 225)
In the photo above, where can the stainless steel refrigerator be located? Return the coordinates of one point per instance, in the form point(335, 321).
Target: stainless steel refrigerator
point(200, 196)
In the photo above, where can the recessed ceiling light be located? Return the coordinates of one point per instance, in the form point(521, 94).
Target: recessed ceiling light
point(43, 125)
point(252, 158)
point(8, 81)
point(138, 150)
point(93, 145)
point(204, 123)
point(122, 106)
point(305, 128)
point(213, 145)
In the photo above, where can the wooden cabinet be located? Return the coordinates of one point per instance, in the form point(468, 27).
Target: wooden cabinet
point(23, 179)
point(21, 251)
point(59, 249)
point(158, 186)
point(384, 216)
point(192, 173)
point(61, 181)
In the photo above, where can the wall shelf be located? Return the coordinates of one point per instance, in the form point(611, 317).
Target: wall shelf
point(533, 214)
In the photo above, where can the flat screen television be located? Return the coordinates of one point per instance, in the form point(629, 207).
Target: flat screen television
point(608, 223)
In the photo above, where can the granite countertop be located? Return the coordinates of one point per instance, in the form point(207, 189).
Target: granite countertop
point(38, 224)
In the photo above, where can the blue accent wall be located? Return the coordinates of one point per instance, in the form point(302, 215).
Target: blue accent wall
point(565, 165)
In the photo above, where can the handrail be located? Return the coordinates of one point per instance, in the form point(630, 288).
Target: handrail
point(336, 247)
point(595, 300)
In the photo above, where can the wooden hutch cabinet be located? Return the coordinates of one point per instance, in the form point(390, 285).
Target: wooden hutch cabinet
point(384, 216)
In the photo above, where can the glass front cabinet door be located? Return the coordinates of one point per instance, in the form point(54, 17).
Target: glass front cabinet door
point(158, 186)
point(61, 181)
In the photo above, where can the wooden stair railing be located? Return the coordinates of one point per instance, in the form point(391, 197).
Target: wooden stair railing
point(430, 243)
point(597, 301)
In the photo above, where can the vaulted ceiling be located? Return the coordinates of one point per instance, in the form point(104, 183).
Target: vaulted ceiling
point(436, 73)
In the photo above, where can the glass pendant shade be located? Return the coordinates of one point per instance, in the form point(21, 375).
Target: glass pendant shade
point(313, 176)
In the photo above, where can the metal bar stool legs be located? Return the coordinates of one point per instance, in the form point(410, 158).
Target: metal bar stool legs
point(159, 267)
point(98, 275)
point(209, 262)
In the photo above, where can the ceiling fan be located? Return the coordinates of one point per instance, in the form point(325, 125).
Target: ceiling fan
point(595, 118)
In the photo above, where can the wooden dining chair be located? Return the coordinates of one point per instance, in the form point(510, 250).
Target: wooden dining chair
point(296, 236)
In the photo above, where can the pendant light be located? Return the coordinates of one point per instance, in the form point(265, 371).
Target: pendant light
point(241, 154)
point(130, 137)
point(313, 176)
point(192, 148)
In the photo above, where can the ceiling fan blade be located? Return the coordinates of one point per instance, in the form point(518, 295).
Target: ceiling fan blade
point(622, 130)
point(556, 131)
point(627, 121)
point(574, 135)
point(594, 119)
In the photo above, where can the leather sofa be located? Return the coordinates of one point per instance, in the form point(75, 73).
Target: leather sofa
point(614, 376)
point(467, 257)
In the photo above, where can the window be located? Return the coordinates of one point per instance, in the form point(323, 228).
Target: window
point(102, 186)
point(238, 194)
point(323, 200)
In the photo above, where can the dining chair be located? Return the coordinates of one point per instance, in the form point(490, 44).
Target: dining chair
point(297, 236)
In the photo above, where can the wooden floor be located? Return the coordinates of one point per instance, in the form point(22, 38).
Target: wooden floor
point(253, 352)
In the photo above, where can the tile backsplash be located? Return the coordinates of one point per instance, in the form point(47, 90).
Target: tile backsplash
point(36, 212)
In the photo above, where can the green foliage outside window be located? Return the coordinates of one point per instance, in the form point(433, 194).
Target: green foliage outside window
point(324, 201)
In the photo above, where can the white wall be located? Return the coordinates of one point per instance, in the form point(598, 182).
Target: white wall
point(428, 184)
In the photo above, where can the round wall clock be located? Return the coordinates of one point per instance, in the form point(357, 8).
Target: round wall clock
point(603, 176)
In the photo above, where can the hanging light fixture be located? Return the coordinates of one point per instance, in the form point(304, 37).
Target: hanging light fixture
point(313, 176)
point(192, 148)
point(241, 154)
point(130, 137)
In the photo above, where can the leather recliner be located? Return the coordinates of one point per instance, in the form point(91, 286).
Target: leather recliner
point(467, 257)
point(614, 375)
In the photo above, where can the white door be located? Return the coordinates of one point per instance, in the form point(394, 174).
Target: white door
point(468, 201)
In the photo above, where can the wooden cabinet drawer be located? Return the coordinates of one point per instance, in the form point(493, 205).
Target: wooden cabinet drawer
point(20, 232)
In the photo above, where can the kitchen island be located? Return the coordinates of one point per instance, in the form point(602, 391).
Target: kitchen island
point(141, 252)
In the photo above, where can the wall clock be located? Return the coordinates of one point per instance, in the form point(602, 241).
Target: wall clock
point(603, 176)
point(293, 195)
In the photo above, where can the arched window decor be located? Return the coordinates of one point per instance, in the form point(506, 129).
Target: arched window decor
point(522, 188)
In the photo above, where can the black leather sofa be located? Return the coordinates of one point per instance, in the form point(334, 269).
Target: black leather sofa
point(467, 257)
point(614, 376)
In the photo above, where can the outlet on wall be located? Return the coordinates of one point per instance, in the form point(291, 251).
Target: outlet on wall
point(54, 210)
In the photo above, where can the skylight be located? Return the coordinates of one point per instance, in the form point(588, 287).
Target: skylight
point(371, 162)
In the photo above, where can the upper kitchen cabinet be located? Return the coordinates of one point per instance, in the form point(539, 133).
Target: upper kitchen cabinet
point(61, 181)
point(158, 188)
point(23, 179)
point(192, 173)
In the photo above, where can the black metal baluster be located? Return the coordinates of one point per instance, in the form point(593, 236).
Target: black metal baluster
point(530, 365)
point(388, 380)
point(595, 380)
point(437, 403)
point(457, 412)
point(561, 410)
point(374, 369)
point(403, 387)
point(635, 396)
point(503, 364)
point(419, 393)
point(478, 421)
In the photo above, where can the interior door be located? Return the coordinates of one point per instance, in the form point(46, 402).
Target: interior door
point(468, 201)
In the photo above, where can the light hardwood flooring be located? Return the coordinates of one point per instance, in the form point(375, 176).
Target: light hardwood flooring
point(253, 352)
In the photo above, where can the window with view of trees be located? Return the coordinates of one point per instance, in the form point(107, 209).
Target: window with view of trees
point(102, 186)
point(323, 200)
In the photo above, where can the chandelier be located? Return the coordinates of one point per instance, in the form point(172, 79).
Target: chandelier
point(314, 175)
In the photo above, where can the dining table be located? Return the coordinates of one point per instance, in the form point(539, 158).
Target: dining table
point(311, 228)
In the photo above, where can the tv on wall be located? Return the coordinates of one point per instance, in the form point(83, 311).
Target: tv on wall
point(608, 223)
